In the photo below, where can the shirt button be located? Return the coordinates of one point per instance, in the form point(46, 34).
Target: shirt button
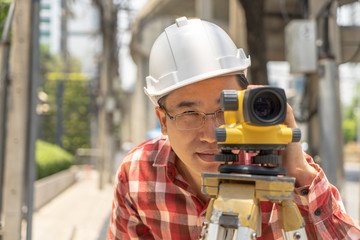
point(317, 212)
point(304, 192)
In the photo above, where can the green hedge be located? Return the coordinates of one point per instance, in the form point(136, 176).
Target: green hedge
point(51, 159)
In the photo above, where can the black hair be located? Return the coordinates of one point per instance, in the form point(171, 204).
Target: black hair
point(242, 80)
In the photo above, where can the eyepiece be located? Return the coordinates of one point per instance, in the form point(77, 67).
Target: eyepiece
point(229, 100)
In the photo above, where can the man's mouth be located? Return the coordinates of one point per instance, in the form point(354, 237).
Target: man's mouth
point(207, 156)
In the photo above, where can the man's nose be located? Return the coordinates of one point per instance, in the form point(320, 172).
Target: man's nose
point(208, 130)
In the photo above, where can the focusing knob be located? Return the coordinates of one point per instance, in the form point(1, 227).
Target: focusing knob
point(296, 135)
point(220, 134)
point(266, 159)
point(229, 100)
point(226, 157)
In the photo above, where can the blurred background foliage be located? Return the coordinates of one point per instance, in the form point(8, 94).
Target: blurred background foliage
point(51, 159)
point(351, 114)
point(4, 7)
point(75, 102)
point(71, 95)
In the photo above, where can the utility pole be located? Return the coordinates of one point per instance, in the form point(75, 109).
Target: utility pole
point(4, 77)
point(255, 25)
point(60, 86)
point(313, 49)
point(32, 116)
point(327, 124)
point(21, 124)
point(358, 114)
point(106, 100)
point(204, 9)
point(237, 25)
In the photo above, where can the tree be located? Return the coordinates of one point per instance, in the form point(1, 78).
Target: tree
point(4, 7)
point(106, 94)
point(351, 120)
point(75, 100)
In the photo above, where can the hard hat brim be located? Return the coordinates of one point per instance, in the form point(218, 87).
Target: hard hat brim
point(154, 97)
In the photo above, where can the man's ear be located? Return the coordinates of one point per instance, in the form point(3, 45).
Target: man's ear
point(162, 119)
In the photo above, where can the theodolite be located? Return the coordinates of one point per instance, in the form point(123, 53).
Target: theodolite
point(254, 122)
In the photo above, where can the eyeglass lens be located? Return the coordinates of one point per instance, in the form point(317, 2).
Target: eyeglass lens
point(195, 120)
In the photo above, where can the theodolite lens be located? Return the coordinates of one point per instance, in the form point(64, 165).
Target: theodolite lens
point(266, 106)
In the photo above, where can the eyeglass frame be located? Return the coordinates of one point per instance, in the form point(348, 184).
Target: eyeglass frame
point(204, 116)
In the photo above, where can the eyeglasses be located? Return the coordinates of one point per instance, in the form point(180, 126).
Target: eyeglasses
point(195, 120)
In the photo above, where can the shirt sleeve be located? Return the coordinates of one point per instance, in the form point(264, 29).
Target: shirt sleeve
point(125, 221)
point(322, 209)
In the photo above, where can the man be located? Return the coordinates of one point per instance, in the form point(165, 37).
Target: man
point(158, 184)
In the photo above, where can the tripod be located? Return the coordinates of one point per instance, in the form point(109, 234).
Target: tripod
point(234, 212)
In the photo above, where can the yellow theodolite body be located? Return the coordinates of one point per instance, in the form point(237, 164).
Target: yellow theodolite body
point(254, 119)
point(248, 134)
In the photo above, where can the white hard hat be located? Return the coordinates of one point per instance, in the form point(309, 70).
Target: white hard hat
point(190, 51)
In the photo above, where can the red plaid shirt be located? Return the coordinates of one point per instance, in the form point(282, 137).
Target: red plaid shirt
point(153, 201)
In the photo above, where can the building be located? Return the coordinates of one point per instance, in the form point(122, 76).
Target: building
point(81, 32)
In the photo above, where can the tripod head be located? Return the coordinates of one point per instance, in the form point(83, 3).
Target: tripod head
point(254, 122)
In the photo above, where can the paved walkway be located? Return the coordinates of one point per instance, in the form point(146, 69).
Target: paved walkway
point(351, 191)
point(83, 211)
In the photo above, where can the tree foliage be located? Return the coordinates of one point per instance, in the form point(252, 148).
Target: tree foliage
point(73, 92)
point(4, 8)
point(349, 130)
point(351, 116)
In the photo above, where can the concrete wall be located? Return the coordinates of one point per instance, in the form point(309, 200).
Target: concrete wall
point(49, 187)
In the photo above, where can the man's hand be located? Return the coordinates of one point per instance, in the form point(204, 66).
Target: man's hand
point(293, 158)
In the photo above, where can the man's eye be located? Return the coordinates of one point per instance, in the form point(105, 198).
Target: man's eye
point(189, 112)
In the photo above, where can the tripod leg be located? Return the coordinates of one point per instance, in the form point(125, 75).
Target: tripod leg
point(239, 208)
point(223, 226)
point(293, 224)
point(234, 214)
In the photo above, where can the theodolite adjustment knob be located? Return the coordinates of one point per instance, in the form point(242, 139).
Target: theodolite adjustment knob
point(229, 100)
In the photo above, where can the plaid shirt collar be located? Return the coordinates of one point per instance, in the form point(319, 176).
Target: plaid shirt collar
point(165, 154)
point(165, 157)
